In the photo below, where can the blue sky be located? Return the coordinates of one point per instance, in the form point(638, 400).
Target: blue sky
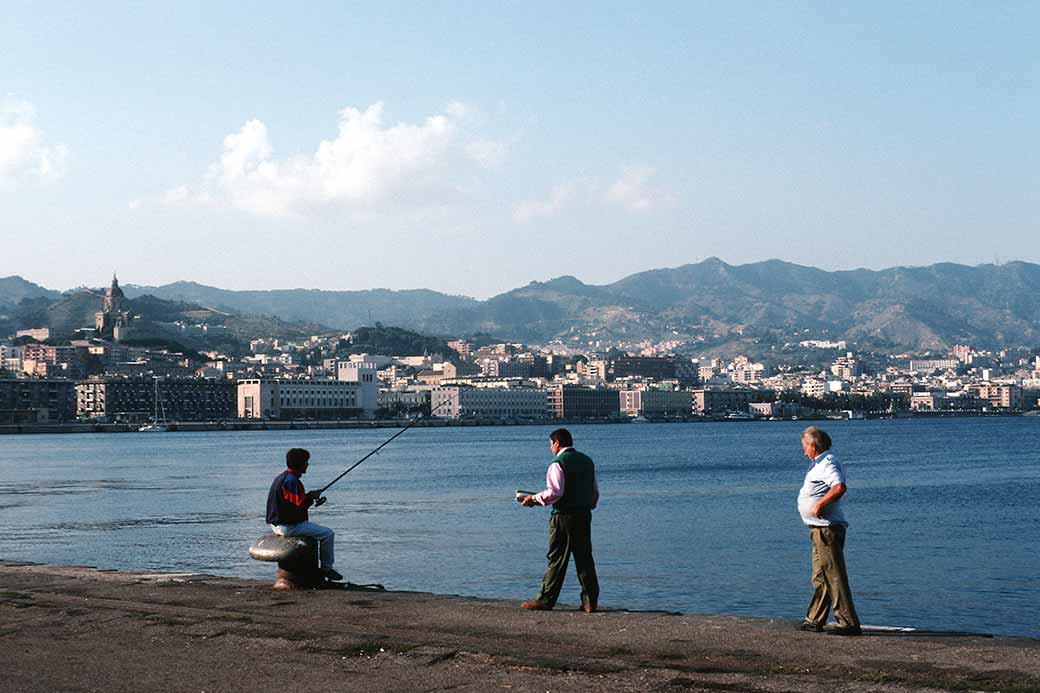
point(471, 148)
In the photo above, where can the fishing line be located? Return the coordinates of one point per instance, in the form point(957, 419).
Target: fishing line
point(377, 449)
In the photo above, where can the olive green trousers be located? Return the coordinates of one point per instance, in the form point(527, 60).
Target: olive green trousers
point(569, 534)
point(829, 580)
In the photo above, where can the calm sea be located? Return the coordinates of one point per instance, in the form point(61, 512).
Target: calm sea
point(700, 518)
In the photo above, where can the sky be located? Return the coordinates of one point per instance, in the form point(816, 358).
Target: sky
point(473, 147)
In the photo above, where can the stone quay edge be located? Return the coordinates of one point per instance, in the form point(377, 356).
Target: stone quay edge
point(83, 629)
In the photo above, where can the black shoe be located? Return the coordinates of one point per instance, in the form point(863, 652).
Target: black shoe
point(811, 627)
point(535, 605)
point(845, 630)
point(331, 574)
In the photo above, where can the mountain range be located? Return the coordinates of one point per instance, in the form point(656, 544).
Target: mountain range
point(714, 304)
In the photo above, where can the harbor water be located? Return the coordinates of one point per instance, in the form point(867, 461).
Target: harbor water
point(700, 518)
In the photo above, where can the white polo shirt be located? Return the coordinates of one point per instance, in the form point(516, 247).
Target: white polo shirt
point(824, 472)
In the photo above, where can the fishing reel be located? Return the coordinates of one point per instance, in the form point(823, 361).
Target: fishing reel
point(320, 501)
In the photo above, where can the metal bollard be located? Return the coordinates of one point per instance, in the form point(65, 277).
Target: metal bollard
point(297, 558)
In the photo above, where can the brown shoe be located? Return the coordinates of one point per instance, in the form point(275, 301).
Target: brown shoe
point(588, 608)
point(535, 605)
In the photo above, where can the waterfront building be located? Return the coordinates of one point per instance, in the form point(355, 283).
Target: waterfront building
point(779, 410)
point(1000, 396)
point(655, 402)
point(927, 401)
point(456, 402)
point(577, 402)
point(403, 402)
point(133, 400)
point(25, 401)
point(280, 398)
point(363, 373)
point(708, 401)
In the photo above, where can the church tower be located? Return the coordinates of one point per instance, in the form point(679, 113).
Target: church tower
point(113, 322)
point(114, 297)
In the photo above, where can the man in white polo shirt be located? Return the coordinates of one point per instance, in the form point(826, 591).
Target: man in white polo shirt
point(819, 503)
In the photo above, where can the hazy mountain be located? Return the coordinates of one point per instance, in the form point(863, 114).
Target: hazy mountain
point(340, 309)
point(13, 289)
point(905, 307)
point(76, 309)
point(710, 302)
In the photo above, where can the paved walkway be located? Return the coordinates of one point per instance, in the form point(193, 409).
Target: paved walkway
point(78, 629)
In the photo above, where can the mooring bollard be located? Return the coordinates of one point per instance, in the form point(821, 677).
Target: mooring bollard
point(297, 558)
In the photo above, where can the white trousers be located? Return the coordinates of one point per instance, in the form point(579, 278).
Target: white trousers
point(324, 535)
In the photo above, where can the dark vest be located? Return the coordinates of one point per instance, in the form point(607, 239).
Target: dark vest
point(579, 476)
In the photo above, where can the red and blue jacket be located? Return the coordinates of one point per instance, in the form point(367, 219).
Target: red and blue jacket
point(287, 502)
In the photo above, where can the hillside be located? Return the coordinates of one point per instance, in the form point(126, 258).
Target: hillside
point(341, 309)
point(711, 303)
point(13, 289)
point(151, 319)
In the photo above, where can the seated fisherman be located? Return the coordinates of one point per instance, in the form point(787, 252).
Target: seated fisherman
point(287, 504)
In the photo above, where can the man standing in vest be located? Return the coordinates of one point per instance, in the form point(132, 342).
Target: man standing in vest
point(572, 491)
point(287, 504)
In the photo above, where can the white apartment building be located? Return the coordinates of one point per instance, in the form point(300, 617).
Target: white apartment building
point(278, 398)
point(488, 403)
point(929, 365)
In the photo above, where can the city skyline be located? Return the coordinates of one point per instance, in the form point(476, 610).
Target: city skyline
point(340, 149)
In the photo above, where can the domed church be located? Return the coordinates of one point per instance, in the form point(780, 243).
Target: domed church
point(113, 322)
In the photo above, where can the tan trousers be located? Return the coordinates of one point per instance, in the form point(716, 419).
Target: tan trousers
point(829, 579)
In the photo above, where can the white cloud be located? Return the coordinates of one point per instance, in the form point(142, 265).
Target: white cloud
point(488, 153)
point(367, 164)
point(633, 192)
point(24, 150)
point(558, 198)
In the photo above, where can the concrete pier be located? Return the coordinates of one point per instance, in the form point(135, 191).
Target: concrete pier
point(67, 628)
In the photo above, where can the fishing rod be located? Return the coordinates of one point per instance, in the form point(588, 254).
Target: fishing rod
point(321, 499)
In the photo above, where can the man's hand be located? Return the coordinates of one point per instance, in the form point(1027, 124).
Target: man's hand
point(314, 495)
point(528, 501)
point(835, 492)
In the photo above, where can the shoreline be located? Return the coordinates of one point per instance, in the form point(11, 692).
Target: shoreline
point(78, 628)
point(293, 425)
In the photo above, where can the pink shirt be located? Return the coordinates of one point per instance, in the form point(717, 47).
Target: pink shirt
point(554, 485)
